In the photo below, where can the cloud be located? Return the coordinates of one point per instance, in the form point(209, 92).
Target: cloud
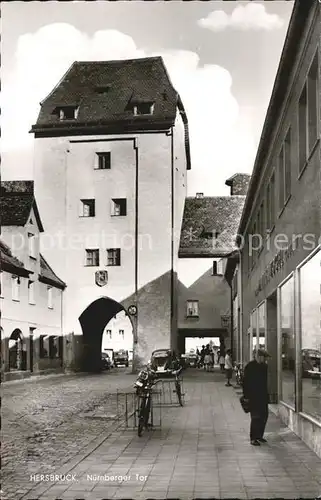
point(43, 57)
point(252, 16)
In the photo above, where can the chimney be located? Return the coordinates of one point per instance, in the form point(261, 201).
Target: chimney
point(199, 195)
point(239, 184)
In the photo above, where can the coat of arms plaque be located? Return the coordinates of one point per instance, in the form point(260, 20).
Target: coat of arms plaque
point(101, 278)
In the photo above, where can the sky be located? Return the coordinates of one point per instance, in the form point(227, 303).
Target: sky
point(222, 58)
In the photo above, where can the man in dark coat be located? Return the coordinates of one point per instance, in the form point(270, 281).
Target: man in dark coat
point(255, 390)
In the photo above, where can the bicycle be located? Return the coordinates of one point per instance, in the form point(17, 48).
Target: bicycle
point(178, 387)
point(144, 388)
point(239, 374)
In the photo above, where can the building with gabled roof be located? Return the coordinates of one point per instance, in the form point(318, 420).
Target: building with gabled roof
point(111, 156)
point(31, 293)
point(208, 238)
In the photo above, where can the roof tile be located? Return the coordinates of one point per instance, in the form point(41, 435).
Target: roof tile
point(220, 215)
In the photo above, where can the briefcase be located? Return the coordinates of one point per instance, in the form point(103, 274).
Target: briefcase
point(245, 403)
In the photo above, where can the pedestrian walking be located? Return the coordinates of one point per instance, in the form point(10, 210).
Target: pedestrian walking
point(228, 365)
point(207, 358)
point(255, 390)
point(221, 362)
point(202, 356)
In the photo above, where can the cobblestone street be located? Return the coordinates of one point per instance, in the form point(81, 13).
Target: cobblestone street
point(44, 423)
point(201, 451)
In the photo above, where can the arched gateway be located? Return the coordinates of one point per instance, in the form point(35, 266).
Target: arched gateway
point(93, 322)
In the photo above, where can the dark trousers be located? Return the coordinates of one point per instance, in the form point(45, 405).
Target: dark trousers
point(259, 416)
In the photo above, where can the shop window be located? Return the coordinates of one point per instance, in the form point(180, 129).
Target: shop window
point(310, 300)
point(253, 334)
point(192, 309)
point(287, 339)
point(261, 326)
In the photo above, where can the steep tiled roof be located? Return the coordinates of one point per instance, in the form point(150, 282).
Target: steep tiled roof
point(16, 202)
point(202, 216)
point(48, 276)
point(125, 82)
point(10, 263)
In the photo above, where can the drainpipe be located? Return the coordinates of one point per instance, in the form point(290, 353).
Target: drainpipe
point(232, 320)
point(240, 304)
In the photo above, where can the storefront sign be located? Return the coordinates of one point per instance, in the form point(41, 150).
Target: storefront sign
point(274, 267)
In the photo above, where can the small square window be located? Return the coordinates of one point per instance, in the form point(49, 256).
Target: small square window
point(87, 208)
point(119, 206)
point(104, 161)
point(92, 257)
point(192, 309)
point(113, 257)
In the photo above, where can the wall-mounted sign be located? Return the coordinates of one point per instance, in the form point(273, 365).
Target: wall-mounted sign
point(274, 267)
point(225, 320)
point(132, 310)
point(101, 278)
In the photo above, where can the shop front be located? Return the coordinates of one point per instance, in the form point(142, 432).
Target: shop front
point(288, 324)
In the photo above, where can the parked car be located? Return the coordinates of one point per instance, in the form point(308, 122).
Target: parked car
point(191, 359)
point(110, 353)
point(311, 361)
point(105, 361)
point(121, 358)
point(162, 361)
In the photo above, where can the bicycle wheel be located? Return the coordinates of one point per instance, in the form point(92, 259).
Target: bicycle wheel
point(147, 410)
point(179, 392)
point(141, 416)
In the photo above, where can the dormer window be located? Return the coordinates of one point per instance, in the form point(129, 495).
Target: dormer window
point(67, 112)
point(210, 235)
point(102, 89)
point(144, 108)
